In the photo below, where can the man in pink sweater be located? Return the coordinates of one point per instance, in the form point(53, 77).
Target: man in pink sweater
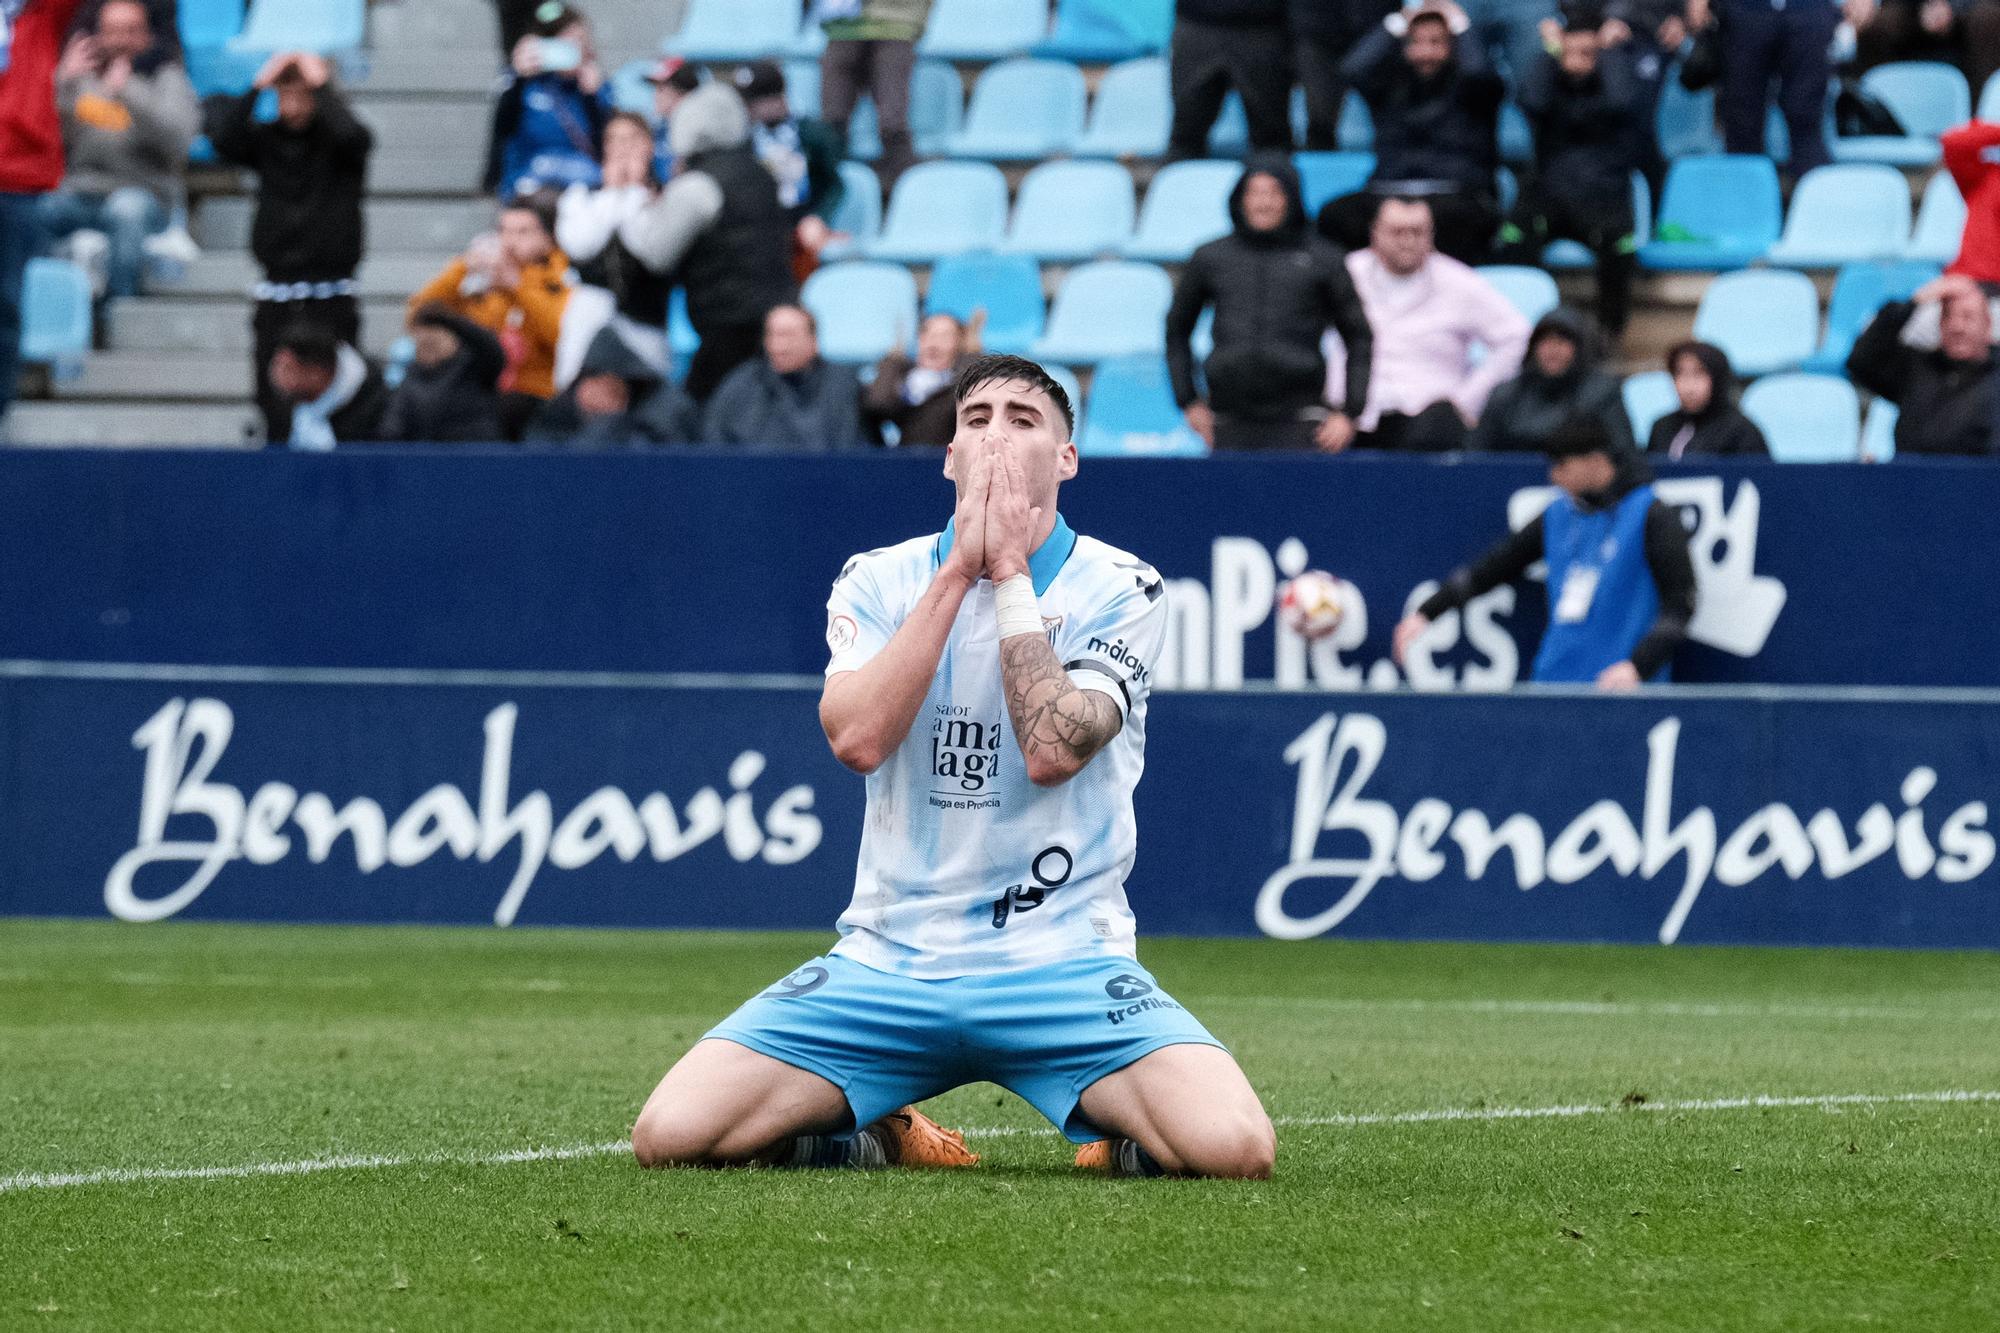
point(1429, 312)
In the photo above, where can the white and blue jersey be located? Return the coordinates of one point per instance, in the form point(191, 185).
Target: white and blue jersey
point(967, 868)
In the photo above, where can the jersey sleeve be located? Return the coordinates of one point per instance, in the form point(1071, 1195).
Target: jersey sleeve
point(1114, 647)
point(859, 619)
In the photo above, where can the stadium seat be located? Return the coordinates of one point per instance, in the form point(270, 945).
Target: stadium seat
point(1649, 395)
point(1132, 412)
point(1806, 418)
point(1927, 97)
point(1131, 113)
point(802, 86)
point(1022, 109)
point(982, 29)
point(1568, 254)
point(205, 23)
point(1686, 121)
point(682, 340)
point(55, 316)
point(863, 309)
point(1324, 176)
point(630, 91)
point(1186, 205)
point(859, 215)
point(1843, 214)
point(1098, 32)
point(1517, 139)
point(1765, 319)
point(718, 30)
point(1858, 292)
point(1989, 99)
point(1357, 125)
point(1072, 211)
point(1528, 290)
point(1066, 377)
point(1719, 212)
point(1007, 287)
point(1105, 309)
point(942, 208)
point(810, 42)
point(1940, 222)
point(322, 26)
point(1878, 431)
point(937, 109)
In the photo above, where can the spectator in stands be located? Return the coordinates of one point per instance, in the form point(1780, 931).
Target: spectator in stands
point(1584, 106)
point(1708, 421)
point(450, 393)
point(1965, 35)
point(1761, 40)
point(163, 16)
point(312, 167)
point(1275, 287)
point(596, 228)
point(871, 46)
point(801, 154)
point(672, 79)
point(548, 126)
point(332, 394)
point(619, 401)
point(1428, 312)
point(129, 117)
point(1322, 34)
point(516, 285)
point(31, 156)
point(1933, 357)
point(916, 396)
point(788, 398)
point(1621, 581)
point(1220, 45)
point(1972, 156)
point(1562, 377)
point(1436, 107)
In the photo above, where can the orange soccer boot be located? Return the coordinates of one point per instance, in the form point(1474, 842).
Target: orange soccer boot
point(913, 1139)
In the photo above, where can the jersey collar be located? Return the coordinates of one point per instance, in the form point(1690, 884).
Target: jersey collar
point(1043, 565)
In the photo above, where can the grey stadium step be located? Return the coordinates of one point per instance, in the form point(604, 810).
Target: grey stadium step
point(430, 225)
point(162, 376)
point(222, 325)
point(230, 273)
point(432, 26)
point(127, 424)
point(427, 127)
point(456, 175)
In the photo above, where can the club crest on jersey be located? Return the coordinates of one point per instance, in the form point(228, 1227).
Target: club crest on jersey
point(964, 754)
point(1052, 626)
point(841, 632)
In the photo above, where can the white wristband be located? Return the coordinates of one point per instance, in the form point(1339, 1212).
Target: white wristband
point(1015, 607)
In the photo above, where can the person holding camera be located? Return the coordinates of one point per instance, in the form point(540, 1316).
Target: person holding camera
point(548, 126)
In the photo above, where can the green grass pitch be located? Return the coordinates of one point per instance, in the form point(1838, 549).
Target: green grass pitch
point(1404, 1197)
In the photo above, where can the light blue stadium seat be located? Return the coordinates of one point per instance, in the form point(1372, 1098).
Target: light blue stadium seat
point(983, 29)
point(222, 69)
point(1878, 431)
point(322, 26)
point(1186, 205)
point(1132, 413)
point(1517, 139)
point(1940, 222)
point(1686, 121)
point(1727, 205)
point(1357, 125)
point(1105, 309)
point(1806, 418)
point(204, 23)
point(1007, 287)
point(1529, 290)
point(717, 30)
point(1765, 319)
point(1649, 395)
point(1131, 113)
point(1845, 213)
point(1989, 99)
point(864, 309)
point(859, 215)
point(1858, 292)
point(1098, 32)
point(1072, 211)
point(937, 109)
point(942, 208)
point(1022, 109)
point(802, 86)
point(811, 39)
point(1927, 97)
point(1506, 187)
point(1066, 377)
point(55, 316)
point(682, 340)
point(1568, 254)
point(1324, 176)
point(629, 89)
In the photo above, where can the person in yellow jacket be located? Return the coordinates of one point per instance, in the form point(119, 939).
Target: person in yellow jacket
point(515, 282)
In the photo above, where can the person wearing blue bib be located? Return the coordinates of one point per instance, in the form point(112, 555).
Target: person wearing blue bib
point(1621, 581)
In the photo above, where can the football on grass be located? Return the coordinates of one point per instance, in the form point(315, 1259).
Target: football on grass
point(1311, 604)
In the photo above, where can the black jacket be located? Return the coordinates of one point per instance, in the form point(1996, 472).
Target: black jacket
point(1947, 406)
point(1274, 295)
point(657, 412)
point(933, 421)
point(817, 408)
point(1336, 23)
point(1586, 130)
point(310, 185)
point(1719, 428)
point(1525, 411)
point(1232, 13)
point(741, 266)
point(1442, 128)
point(456, 401)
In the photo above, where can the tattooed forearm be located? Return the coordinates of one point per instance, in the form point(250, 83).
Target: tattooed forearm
point(1058, 725)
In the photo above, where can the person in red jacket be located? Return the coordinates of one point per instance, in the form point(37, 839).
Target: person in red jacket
point(31, 153)
point(1972, 156)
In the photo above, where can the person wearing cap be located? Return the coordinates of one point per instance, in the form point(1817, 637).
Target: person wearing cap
point(801, 154)
point(871, 47)
point(548, 124)
point(672, 79)
point(1620, 583)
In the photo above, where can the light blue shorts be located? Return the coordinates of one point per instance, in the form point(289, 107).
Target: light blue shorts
point(1044, 1034)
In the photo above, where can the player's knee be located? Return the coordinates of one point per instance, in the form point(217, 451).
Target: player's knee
point(1244, 1150)
point(662, 1138)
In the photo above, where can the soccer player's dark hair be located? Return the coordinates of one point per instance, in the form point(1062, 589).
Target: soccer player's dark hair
point(987, 369)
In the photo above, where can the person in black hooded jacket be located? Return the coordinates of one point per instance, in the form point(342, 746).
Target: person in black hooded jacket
point(1708, 421)
point(1562, 378)
point(1276, 287)
point(1933, 356)
point(450, 393)
point(617, 401)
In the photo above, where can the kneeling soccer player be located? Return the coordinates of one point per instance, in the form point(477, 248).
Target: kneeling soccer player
point(988, 938)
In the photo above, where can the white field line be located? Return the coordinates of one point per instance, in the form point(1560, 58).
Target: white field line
point(313, 1165)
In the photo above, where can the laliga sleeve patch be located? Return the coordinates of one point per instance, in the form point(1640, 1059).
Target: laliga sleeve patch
point(841, 633)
